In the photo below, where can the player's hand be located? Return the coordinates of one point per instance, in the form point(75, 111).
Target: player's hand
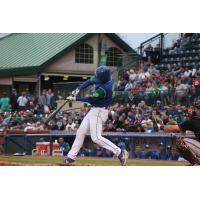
point(71, 98)
point(75, 92)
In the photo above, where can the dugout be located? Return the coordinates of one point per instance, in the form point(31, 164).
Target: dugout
point(22, 142)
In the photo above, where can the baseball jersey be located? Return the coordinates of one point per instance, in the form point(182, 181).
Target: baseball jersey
point(101, 96)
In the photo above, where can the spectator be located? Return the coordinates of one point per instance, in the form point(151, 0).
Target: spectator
point(139, 152)
point(28, 95)
point(132, 75)
point(110, 127)
point(71, 126)
point(174, 154)
point(147, 151)
point(5, 103)
point(147, 124)
point(13, 100)
point(22, 102)
point(161, 152)
point(43, 98)
point(63, 146)
point(97, 151)
point(152, 70)
point(128, 86)
point(50, 98)
point(181, 92)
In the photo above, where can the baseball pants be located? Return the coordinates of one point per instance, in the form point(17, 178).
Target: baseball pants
point(93, 124)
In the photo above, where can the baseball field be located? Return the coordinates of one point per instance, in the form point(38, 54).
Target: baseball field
point(81, 161)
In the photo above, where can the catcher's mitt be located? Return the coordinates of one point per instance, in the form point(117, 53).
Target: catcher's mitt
point(189, 149)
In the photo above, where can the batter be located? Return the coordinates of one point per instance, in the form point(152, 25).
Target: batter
point(100, 99)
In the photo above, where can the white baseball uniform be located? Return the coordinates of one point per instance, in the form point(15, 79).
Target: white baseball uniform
point(92, 124)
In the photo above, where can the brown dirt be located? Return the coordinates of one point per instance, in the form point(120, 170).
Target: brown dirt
point(6, 163)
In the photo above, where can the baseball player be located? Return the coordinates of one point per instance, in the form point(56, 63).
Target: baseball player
point(99, 99)
point(193, 124)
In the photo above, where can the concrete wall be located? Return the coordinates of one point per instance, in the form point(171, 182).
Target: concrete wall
point(6, 81)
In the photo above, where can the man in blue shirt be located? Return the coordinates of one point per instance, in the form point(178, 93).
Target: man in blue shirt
point(100, 98)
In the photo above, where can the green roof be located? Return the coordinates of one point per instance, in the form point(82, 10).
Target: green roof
point(29, 53)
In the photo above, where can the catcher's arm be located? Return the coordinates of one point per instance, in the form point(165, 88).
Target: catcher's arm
point(172, 129)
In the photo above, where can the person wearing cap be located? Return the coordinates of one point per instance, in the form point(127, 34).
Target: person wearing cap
point(193, 124)
point(161, 152)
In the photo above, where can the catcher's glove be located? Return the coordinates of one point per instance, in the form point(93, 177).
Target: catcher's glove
point(189, 149)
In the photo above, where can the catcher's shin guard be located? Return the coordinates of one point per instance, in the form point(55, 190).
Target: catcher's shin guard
point(186, 152)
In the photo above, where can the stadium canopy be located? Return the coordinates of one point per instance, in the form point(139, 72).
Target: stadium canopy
point(30, 53)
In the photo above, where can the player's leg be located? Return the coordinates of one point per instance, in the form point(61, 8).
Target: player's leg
point(78, 142)
point(97, 117)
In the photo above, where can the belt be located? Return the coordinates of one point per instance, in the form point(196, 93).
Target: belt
point(100, 107)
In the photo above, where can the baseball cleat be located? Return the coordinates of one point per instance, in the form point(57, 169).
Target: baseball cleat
point(123, 157)
point(68, 160)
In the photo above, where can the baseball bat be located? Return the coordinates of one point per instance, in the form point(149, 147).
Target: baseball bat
point(55, 112)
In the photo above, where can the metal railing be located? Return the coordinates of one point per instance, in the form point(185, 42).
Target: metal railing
point(164, 39)
point(183, 97)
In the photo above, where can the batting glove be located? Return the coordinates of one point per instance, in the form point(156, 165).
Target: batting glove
point(75, 92)
point(71, 98)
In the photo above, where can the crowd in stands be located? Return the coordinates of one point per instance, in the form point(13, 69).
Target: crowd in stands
point(184, 42)
point(150, 84)
point(153, 54)
point(138, 118)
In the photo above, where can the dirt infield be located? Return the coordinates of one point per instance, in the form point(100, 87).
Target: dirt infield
point(6, 163)
point(81, 161)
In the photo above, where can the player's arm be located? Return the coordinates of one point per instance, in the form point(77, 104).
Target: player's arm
point(87, 83)
point(97, 95)
point(183, 127)
point(172, 129)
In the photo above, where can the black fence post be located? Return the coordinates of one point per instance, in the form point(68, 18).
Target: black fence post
point(26, 143)
point(51, 145)
point(5, 144)
point(161, 46)
point(132, 148)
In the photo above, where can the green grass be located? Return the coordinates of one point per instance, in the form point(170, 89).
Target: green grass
point(87, 161)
